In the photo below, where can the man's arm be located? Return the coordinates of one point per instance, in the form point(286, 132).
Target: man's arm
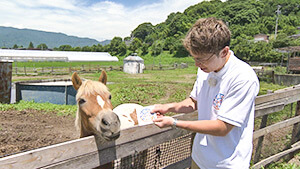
point(212, 127)
point(186, 106)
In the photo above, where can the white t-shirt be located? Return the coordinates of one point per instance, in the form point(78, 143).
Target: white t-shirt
point(227, 95)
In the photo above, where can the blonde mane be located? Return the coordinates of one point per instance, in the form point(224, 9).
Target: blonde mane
point(90, 87)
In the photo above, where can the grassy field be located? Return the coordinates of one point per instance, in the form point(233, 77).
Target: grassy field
point(151, 87)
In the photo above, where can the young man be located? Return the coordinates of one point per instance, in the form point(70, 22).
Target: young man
point(224, 95)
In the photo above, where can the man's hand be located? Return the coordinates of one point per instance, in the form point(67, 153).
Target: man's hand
point(163, 121)
point(160, 109)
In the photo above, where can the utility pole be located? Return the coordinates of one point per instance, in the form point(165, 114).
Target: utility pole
point(277, 17)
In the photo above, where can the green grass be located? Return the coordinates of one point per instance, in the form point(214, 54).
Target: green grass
point(280, 165)
point(165, 58)
point(140, 93)
point(265, 87)
point(45, 107)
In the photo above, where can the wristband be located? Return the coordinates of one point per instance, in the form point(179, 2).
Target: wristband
point(175, 122)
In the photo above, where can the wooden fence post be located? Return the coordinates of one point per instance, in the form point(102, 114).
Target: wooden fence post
point(296, 130)
point(260, 140)
point(18, 92)
point(259, 146)
point(273, 76)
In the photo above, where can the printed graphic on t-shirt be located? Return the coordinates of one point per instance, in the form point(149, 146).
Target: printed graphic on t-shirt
point(218, 101)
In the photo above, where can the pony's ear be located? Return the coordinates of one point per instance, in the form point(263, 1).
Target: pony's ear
point(76, 81)
point(103, 77)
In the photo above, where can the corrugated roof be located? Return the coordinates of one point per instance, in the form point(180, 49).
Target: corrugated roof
point(133, 58)
point(289, 49)
point(55, 55)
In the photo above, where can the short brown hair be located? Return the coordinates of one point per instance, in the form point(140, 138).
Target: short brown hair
point(208, 35)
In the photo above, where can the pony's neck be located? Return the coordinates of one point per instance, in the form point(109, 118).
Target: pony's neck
point(84, 132)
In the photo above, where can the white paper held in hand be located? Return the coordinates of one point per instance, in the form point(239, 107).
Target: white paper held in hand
point(145, 116)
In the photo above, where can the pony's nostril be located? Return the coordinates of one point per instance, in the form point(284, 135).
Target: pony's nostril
point(105, 122)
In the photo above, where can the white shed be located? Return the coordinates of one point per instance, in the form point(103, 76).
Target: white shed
point(133, 64)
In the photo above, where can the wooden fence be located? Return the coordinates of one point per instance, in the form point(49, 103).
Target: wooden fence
point(271, 103)
point(86, 68)
point(294, 64)
point(87, 153)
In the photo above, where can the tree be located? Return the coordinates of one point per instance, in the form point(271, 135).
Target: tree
point(30, 46)
point(157, 48)
point(86, 49)
point(151, 38)
point(97, 48)
point(142, 31)
point(135, 44)
point(15, 46)
point(169, 43)
point(203, 9)
point(241, 12)
point(144, 48)
point(117, 46)
point(267, 24)
point(281, 41)
point(42, 46)
point(179, 50)
point(77, 48)
point(65, 48)
point(179, 25)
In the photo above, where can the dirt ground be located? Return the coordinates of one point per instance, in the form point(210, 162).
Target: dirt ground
point(26, 130)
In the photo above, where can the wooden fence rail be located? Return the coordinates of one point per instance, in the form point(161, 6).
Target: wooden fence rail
point(88, 153)
point(86, 68)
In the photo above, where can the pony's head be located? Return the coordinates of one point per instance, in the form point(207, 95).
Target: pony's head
point(94, 114)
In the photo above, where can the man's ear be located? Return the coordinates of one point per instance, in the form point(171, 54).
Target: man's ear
point(76, 81)
point(224, 51)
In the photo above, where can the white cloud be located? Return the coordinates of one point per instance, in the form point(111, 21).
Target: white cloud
point(102, 20)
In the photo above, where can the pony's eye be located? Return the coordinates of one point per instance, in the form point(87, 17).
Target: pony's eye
point(81, 101)
point(109, 97)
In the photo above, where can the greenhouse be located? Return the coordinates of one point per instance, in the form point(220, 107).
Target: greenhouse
point(67, 56)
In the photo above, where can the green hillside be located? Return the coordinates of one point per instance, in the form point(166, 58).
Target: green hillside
point(245, 18)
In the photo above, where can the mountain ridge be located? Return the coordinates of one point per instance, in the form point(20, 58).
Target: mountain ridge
point(9, 36)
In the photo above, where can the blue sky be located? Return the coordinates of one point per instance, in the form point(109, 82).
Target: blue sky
point(97, 19)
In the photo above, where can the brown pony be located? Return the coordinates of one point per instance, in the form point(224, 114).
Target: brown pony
point(94, 113)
